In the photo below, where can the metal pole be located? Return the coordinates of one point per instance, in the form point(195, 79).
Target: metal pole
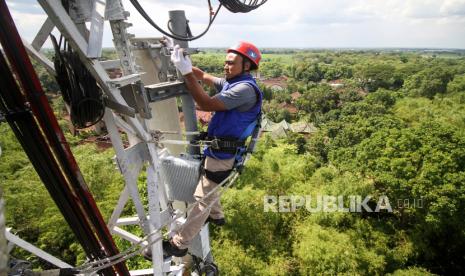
point(178, 23)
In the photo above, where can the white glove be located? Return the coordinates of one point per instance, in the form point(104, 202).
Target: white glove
point(182, 63)
point(168, 41)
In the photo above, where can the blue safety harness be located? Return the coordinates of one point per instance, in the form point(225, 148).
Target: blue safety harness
point(228, 130)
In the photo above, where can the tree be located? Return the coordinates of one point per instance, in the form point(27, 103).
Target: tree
point(298, 140)
point(275, 112)
point(210, 63)
point(336, 71)
point(372, 76)
point(429, 82)
point(423, 162)
point(380, 143)
point(267, 92)
point(318, 100)
point(271, 69)
point(457, 85)
point(306, 71)
point(384, 97)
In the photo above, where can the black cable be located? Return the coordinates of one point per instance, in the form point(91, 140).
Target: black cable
point(142, 12)
point(236, 6)
point(78, 87)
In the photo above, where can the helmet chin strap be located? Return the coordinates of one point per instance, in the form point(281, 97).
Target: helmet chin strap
point(243, 66)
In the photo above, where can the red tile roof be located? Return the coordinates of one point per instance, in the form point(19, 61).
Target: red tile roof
point(204, 117)
point(279, 81)
point(295, 95)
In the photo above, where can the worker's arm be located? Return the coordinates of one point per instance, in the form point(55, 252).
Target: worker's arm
point(203, 100)
point(204, 77)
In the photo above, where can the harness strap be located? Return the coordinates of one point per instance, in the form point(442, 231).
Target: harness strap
point(225, 144)
point(220, 144)
point(217, 177)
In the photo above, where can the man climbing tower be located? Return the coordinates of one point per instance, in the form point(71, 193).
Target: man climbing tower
point(237, 106)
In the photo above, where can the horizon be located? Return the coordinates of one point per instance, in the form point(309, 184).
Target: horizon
point(325, 48)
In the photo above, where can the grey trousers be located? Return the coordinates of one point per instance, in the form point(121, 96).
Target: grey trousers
point(196, 219)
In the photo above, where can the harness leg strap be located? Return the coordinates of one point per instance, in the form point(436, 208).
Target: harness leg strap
point(218, 176)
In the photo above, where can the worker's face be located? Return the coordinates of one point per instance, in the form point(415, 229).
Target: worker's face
point(232, 65)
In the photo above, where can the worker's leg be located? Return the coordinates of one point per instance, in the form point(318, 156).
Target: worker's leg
point(196, 217)
point(199, 214)
point(215, 165)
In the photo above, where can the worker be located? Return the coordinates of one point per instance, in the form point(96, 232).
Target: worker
point(237, 105)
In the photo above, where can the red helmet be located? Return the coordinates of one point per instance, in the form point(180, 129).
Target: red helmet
point(248, 50)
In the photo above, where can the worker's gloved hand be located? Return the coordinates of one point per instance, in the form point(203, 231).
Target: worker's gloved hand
point(182, 63)
point(168, 41)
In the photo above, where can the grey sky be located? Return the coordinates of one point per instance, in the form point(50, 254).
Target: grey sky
point(298, 23)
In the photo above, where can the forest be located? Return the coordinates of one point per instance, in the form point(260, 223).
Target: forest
point(393, 126)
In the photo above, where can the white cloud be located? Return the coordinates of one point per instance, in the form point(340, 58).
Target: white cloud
point(28, 17)
point(297, 23)
point(453, 8)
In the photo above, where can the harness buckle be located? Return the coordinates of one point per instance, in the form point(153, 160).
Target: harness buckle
point(214, 144)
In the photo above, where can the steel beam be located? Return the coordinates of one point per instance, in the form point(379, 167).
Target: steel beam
point(34, 250)
point(40, 58)
point(129, 165)
point(155, 219)
point(43, 34)
point(165, 90)
point(125, 80)
point(94, 48)
point(128, 236)
point(111, 64)
point(63, 22)
point(123, 199)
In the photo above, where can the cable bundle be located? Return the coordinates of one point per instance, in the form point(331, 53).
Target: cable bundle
point(242, 6)
point(78, 87)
